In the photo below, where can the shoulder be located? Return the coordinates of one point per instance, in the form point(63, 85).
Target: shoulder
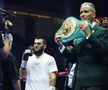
point(101, 30)
point(48, 55)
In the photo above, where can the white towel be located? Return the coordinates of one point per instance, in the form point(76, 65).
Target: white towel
point(70, 76)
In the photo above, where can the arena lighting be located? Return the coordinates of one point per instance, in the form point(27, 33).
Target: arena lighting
point(102, 21)
point(57, 20)
point(30, 14)
point(35, 15)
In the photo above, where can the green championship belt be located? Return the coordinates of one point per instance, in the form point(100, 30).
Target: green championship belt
point(70, 31)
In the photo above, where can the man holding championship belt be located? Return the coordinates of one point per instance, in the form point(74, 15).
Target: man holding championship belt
point(89, 53)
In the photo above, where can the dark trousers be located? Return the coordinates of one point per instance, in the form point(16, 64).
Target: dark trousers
point(91, 88)
point(79, 87)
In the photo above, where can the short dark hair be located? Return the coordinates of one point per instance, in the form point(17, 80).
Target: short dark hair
point(43, 38)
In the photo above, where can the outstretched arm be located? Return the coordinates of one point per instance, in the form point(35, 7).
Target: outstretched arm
point(6, 40)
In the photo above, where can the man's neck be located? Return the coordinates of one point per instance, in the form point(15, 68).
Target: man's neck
point(39, 54)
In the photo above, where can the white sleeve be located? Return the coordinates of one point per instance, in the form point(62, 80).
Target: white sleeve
point(52, 66)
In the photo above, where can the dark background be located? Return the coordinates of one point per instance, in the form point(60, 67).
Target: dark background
point(43, 17)
point(60, 8)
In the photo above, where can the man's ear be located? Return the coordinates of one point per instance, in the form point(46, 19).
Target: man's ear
point(94, 15)
point(45, 46)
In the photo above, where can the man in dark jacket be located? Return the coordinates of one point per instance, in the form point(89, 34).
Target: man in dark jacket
point(4, 50)
point(89, 54)
point(9, 71)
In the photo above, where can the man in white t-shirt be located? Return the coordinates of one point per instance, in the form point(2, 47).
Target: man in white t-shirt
point(39, 68)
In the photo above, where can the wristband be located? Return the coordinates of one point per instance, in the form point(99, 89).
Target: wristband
point(8, 36)
point(52, 88)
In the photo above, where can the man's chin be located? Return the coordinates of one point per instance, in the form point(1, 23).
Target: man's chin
point(37, 52)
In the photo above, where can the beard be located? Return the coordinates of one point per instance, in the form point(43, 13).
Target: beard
point(39, 52)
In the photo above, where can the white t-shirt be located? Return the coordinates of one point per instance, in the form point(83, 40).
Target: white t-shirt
point(38, 69)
